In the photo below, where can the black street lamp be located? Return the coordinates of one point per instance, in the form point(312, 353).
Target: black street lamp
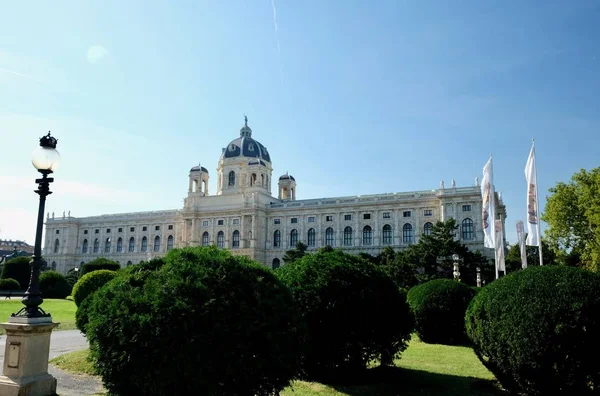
point(45, 159)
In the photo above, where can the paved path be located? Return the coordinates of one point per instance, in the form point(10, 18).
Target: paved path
point(68, 384)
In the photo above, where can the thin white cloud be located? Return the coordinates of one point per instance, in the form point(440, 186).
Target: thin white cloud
point(14, 73)
point(96, 53)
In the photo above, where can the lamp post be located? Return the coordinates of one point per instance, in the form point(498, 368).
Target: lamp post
point(478, 277)
point(25, 369)
point(45, 159)
point(456, 258)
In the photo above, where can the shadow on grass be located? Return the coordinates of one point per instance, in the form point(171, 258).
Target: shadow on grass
point(389, 381)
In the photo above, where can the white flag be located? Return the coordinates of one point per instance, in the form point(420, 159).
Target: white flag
point(521, 240)
point(488, 212)
point(499, 246)
point(533, 237)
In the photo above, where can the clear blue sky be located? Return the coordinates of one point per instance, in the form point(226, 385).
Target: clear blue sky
point(350, 97)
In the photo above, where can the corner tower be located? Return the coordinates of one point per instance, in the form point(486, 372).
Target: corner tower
point(287, 187)
point(244, 166)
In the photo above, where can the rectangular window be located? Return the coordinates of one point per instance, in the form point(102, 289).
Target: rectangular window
point(96, 231)
point(108, 230)
point(204, 223)
point(156, 228)
point(120, 230)
point(328, 218)
point(406, 213)
point(236, 221)
point(294, 220)
point(276, 221)
point(57, 232)
point(367, 216)
point(466, 208)
point(144, 228)
point(131, 229)
point(85, 232)
point(427, 212)
point(220, 222)
point(170, 227)
point(311, 219)
point(386, 215)
point(347, 217)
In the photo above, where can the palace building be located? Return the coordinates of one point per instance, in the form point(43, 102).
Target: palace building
point(247, 219)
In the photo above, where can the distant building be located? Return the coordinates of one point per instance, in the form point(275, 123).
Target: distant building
point(244, 217)
point(8, 246)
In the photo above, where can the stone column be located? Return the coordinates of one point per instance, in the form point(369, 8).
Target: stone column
point(25, 370)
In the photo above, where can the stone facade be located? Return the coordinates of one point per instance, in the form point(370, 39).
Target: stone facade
point(245, 218)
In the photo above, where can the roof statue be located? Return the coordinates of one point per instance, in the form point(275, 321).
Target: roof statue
point(442, 185)
point(453, 183)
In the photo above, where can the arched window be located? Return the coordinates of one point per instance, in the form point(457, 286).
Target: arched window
point(387, 234)
point(221, 239)
point(407, 233)
point(96, 245)
point(204, 187)
point(293, 238)
point(428, 228)
point(131, 245)
point(170, 242)
point(84, 248)
point(205, 238)
point(53, 266)
point(107, 245)
point(311, 237)
point(144, 244)
point(156, 244)
point(277, 238)
point(236, 239)
point(232, 178)
point(367, 235)
point(253, 179)
point(120, 245)
point(348, 236)
point(250, 235)
point(329, 237)
point(129, 263)
point(56, 246)
point(468, 232)
point(262, 180)
point(276, 263)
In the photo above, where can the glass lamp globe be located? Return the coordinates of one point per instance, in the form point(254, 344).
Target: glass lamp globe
point(455, 257)
point(45, 158)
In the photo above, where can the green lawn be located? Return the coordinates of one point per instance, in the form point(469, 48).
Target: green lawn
point(62, 311)
point(423, 370)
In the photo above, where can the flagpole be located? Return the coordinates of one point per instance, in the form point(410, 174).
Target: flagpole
point(537, 205)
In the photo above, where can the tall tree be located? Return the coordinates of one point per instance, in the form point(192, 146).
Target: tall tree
point(573, 216)
point(298, 252)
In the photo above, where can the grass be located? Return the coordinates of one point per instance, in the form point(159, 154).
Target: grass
point(63, 311)
point(424, 369)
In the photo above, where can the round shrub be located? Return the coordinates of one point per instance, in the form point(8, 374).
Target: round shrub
point(18, 268)
point(91, 282)
point(353, 313)
point(439, 307)
point(537, 330)
point(82, 314)
point(213, 323)
point(9, 284)
point(100, 263)
point(54, 285)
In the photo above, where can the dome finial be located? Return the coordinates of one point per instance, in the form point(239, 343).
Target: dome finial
point(245, 119)
point(246, 131)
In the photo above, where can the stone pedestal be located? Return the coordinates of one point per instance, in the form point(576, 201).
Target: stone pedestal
point(25, 371)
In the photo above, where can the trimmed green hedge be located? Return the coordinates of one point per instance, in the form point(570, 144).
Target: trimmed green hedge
point(538, 330)
point(204, 323)
point(439, 307)
point(353, 313)
point(9, 284)
point(54, 285)
point(90, 283)
point(19, 269)
point(100, 264)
